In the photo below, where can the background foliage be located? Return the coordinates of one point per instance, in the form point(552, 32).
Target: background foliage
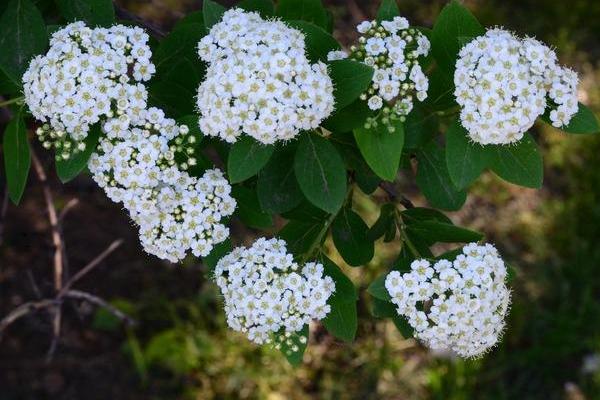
point(181, 347)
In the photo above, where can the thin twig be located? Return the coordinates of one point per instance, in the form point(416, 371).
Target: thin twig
point(56, 239)
point(125, 14)
point(90, 266)
point(77, 294)
point(58, 249)
point(25, 309)
point(394, 196)
point(68, 207)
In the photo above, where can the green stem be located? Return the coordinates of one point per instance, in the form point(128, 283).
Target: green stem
point(11, 101)
point(317, 242)
point(404, 236)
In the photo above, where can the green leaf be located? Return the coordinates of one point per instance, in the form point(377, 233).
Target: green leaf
point(441, 90)
point(17, 158)
point(195, 17)
point(174, 99)
point(213, 12)
point(454, 22)
point(381, 149)
point(403, 326)
point(383, 309)
point(293, 345)
point(350, 80)
point(22, 36)
point(265, 8)
point(349, 233)
point(277, 188)
point(434, 232)
point(583, 122)
point(305, 10)
point(344, 288)
point(388, 10)
point(8, 87)
point(318, 42)
point(70, 168)
point(465, 159)
point(246, 158)
point(377, 288)
point(519, 163)
point(342, 320)
point(248, 208)
point(320, 172)
point(434, 180)
point(418, 214)
point(306, 212)
point(301, 235)
point(383, 223)
point(419, 128)
point(176, 57)
point(92, 12)
point(348, 118)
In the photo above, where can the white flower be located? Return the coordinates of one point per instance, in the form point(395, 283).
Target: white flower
point(458, 306)
point(503, 83)
point(375, 102)
point(266, 292)
point(392, 48)
point(259, 81)
point(337, 55)
point(364, 26)
point(136, 164)
point(86, 76)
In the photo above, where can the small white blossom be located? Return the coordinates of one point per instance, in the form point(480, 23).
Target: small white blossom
point(87, 75)
point(259, 81)
point(392, 48)
point(176, 213)
point(502, 85)
point(266, 292)
point(458, 306)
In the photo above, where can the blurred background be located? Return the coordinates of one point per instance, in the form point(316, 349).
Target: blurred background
point(181, 347)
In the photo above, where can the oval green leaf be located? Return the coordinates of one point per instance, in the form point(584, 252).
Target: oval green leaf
point(277, 188)
point(320, 172)
point(519, 163)
point(350, 237)
point(17, 158)
point(70, 168)
point(465, 159)
point(350, 80)
point(381, 149)
point(22, 36)
point(246, 158)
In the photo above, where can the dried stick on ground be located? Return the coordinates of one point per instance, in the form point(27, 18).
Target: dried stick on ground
point(62, 290)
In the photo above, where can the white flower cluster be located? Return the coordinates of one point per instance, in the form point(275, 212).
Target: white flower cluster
point(392, 48)
point(87, 74)
point(265, 291)
point(259, 81)
point(136, 165)
point(458, 305)
point(502, 84)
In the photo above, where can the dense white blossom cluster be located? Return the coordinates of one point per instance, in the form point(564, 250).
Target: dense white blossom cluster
point(458, 305)
point(502, 85)
point(86, 75)
point(392, 48)
point(267, 292)
point(135, 164)
point(259, 81)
